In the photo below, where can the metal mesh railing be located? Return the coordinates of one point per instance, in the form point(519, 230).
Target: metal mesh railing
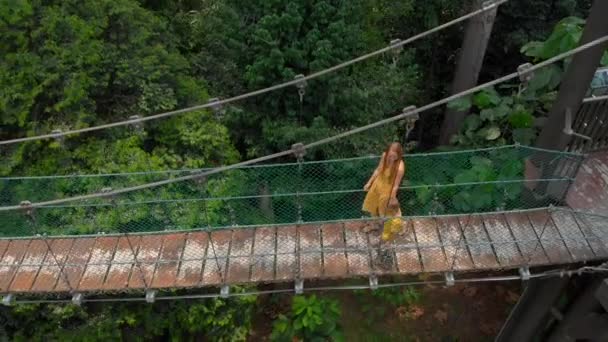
point(455, 182)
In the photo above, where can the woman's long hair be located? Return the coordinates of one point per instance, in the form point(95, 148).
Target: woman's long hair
point(399, 151)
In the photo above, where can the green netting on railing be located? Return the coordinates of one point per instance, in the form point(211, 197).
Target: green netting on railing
point(493, 179)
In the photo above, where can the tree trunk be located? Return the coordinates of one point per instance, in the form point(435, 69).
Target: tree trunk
point(577, 80)
point(476, 37)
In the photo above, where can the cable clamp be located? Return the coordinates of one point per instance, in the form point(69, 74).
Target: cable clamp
point(77, 299)
point(525, 75)
point(137, 125)
point(301, 85)
point(198, 177)
point(8, 300)
point(58, 137)
point(107, 192)
point(225, 291)
point(299, 286)
point(486, 5)
point(299, 150)
point(27, 207)
point(524, 272)
point(449, 279)
point(150, 296)
point(373, 282)
point(568, 127)
point(396, 47)
point(217, 108)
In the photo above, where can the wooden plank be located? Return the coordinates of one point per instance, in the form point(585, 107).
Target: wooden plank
point(51, 272)
point(478, 242)
point(549, 237)
point(357, 248)
point(572, 235)
point(406, 250)
point(239, 265)
point(311, 258)
point(99, 264)
point(122, 263)
point(76, 263)
point(168, 262)
point(595, 231)
point(264, 254)
point(10, 262)
point(431, 253)
point(503, 240)
point(191, 268)
point(3, 246)
point(527, 240)
point(217, 256)
point(456, 249)
point(145, 262)
point(287, 259)
point(334, 256)
point(25, 275)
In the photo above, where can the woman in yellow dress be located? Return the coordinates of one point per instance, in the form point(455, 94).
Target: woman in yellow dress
point(382, 187)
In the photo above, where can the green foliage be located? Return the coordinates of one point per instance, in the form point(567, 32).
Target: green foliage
point(378, 303)
point(310, 319)
point(213, 320)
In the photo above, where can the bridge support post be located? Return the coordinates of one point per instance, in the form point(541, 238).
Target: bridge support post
point(577, 80)
point(530, 312)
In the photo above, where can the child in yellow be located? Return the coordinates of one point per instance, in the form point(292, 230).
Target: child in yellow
point(382, 187)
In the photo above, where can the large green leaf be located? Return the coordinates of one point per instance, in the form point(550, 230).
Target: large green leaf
point(492, 133)
point(486, 98)
point(461, 104)
point(521, 118)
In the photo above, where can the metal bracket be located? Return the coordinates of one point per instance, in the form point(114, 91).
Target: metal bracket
point(299, 286)
point(524, 272)
point(138, 126)
point(8, 300)
point(77, 299)
point(373, 282)
point(449, 279)
point(27, 207)
point(301, 85)
point(299, 150)
point(198, 177)
point(397, 47)
point(568, 126)
point(225, 291)
point(150, 296)
point(217, 108)
point(59, 138)
point(410, 119)
point(525, 76)
point(489, 4)
point(107, 193)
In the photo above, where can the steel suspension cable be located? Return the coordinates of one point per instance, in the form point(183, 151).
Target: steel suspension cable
point(292, 150)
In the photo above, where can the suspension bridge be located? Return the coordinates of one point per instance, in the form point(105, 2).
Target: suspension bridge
point(474, 211)
point(315, 232)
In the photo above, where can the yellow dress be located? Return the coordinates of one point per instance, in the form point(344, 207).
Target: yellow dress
point(376, 203)
point(376, 200)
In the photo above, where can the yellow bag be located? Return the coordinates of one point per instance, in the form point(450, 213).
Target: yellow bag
point(392, 227)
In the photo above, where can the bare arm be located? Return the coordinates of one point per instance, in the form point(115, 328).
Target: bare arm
point(375, 174)
point(398, 179)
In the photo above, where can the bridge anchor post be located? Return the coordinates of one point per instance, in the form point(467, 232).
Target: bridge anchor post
point(299, 286)
point(8, 300)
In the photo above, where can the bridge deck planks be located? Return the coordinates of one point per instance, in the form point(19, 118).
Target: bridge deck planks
point(275, 254)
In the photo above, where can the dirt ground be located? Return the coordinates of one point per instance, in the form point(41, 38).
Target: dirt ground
point(471, 312)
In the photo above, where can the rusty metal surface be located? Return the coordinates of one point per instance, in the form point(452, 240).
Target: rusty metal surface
point(278, 254)
point(589, 192)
